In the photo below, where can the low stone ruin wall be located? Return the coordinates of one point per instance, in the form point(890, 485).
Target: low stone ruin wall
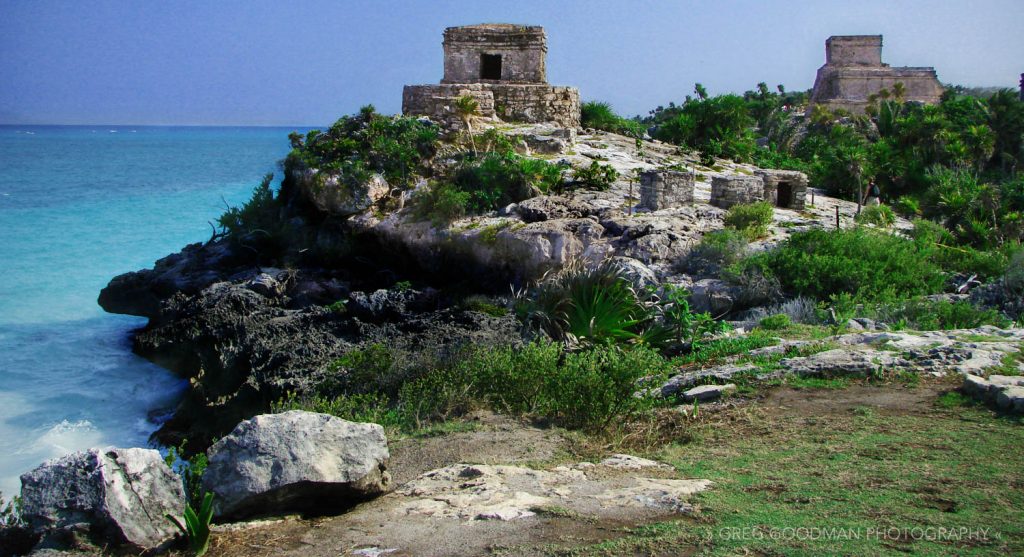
point(794, 187)
point(509, 102)
point(664, 189)
point(727, 191)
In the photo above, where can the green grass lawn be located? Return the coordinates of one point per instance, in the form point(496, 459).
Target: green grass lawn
point(893, 475)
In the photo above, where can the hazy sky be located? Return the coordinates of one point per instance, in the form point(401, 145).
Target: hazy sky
point(295, 63)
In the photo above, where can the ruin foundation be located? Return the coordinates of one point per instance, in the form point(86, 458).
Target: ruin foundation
point(727, 191)
point(665, 189)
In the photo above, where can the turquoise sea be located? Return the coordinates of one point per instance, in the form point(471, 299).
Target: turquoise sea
point(79, 205)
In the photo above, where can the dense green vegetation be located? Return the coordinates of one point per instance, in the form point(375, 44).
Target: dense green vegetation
point(357, 146)
point(599, 115)
point(584, 389)
point(750, 219)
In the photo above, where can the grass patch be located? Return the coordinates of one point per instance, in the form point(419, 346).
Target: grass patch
point(854, 470)
point(805, 382)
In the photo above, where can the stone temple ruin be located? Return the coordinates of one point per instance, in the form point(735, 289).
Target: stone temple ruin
point(502, 67)
point(854, 70)
point(781, 188)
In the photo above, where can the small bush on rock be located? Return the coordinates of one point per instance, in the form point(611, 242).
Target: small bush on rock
point(598, 177)
point(751, 219)
point(357, 146)
point(877, 215)
point(775, 322)
point(599, 115)
point(440, 203)
point(719, 248)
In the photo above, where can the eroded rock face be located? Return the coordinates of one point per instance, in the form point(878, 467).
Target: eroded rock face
point(116, 496)
point(296, 461)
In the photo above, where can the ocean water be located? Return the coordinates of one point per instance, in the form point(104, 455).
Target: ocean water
point(79, 205)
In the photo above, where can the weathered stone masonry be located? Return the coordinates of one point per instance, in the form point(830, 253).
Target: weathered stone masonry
point(854, 70)
point(503, 67)
point(727, 191)
point(665, 189)
point(784, 188)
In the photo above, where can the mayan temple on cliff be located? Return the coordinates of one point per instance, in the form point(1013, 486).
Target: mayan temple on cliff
point(853, 71)
point(504, 68)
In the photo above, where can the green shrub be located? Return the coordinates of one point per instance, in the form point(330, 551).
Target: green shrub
point(719, 248)
point(190, 469)
point(364, 407)
point(497, 179)
point(588, 304)
point(356, 146)
point(257, 224)
point(930, 315)
point(484, 305)
point(599, 115)
point(750, 219)
point(673, 308)
point(720, 127)
point(878, 215)
point(597, 176)
point(440, 203)
point(908, 206)
point(862, 262)
point(197, 525)
point(775, 322)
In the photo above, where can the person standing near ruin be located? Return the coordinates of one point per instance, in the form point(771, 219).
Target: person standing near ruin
point(874, 194)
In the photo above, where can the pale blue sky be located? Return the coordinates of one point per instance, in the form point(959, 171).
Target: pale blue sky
point(261, 62)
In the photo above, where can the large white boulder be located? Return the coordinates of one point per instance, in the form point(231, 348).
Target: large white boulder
point(118, 496)
point(296, 461)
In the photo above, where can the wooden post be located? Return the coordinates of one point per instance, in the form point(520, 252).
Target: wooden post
point(837, 217)
point(812, 199)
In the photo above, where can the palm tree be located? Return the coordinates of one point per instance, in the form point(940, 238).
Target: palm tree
point(467, 108)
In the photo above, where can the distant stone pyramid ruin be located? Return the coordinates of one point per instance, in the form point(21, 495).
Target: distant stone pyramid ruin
point(853, 71)
point(502, 67)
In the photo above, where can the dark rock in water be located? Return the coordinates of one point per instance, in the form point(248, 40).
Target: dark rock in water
point(112, 496)
point(296, 461)
point(189, 271)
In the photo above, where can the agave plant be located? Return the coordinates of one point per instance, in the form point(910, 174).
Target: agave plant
point(197, 525)
point(590, 304)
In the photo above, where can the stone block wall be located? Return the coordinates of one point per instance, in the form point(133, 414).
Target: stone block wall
point(437, 102)
point(727, 191)
point(793, 185)
point(507, 102)
point(523, 51)
point(537, 103)
point(854, 50)
point(665, 189)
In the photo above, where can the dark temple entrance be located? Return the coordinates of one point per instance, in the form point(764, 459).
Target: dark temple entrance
point(784, 195)
point(490, 66)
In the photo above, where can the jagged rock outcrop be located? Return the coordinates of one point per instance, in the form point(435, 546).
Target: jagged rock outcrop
point(107, 496)
point(296, 461)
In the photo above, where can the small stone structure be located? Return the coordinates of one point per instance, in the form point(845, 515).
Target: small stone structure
point(664, 189)
point(503, 68)
point(854, 70)
point(784, 188)
point(727, 191)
